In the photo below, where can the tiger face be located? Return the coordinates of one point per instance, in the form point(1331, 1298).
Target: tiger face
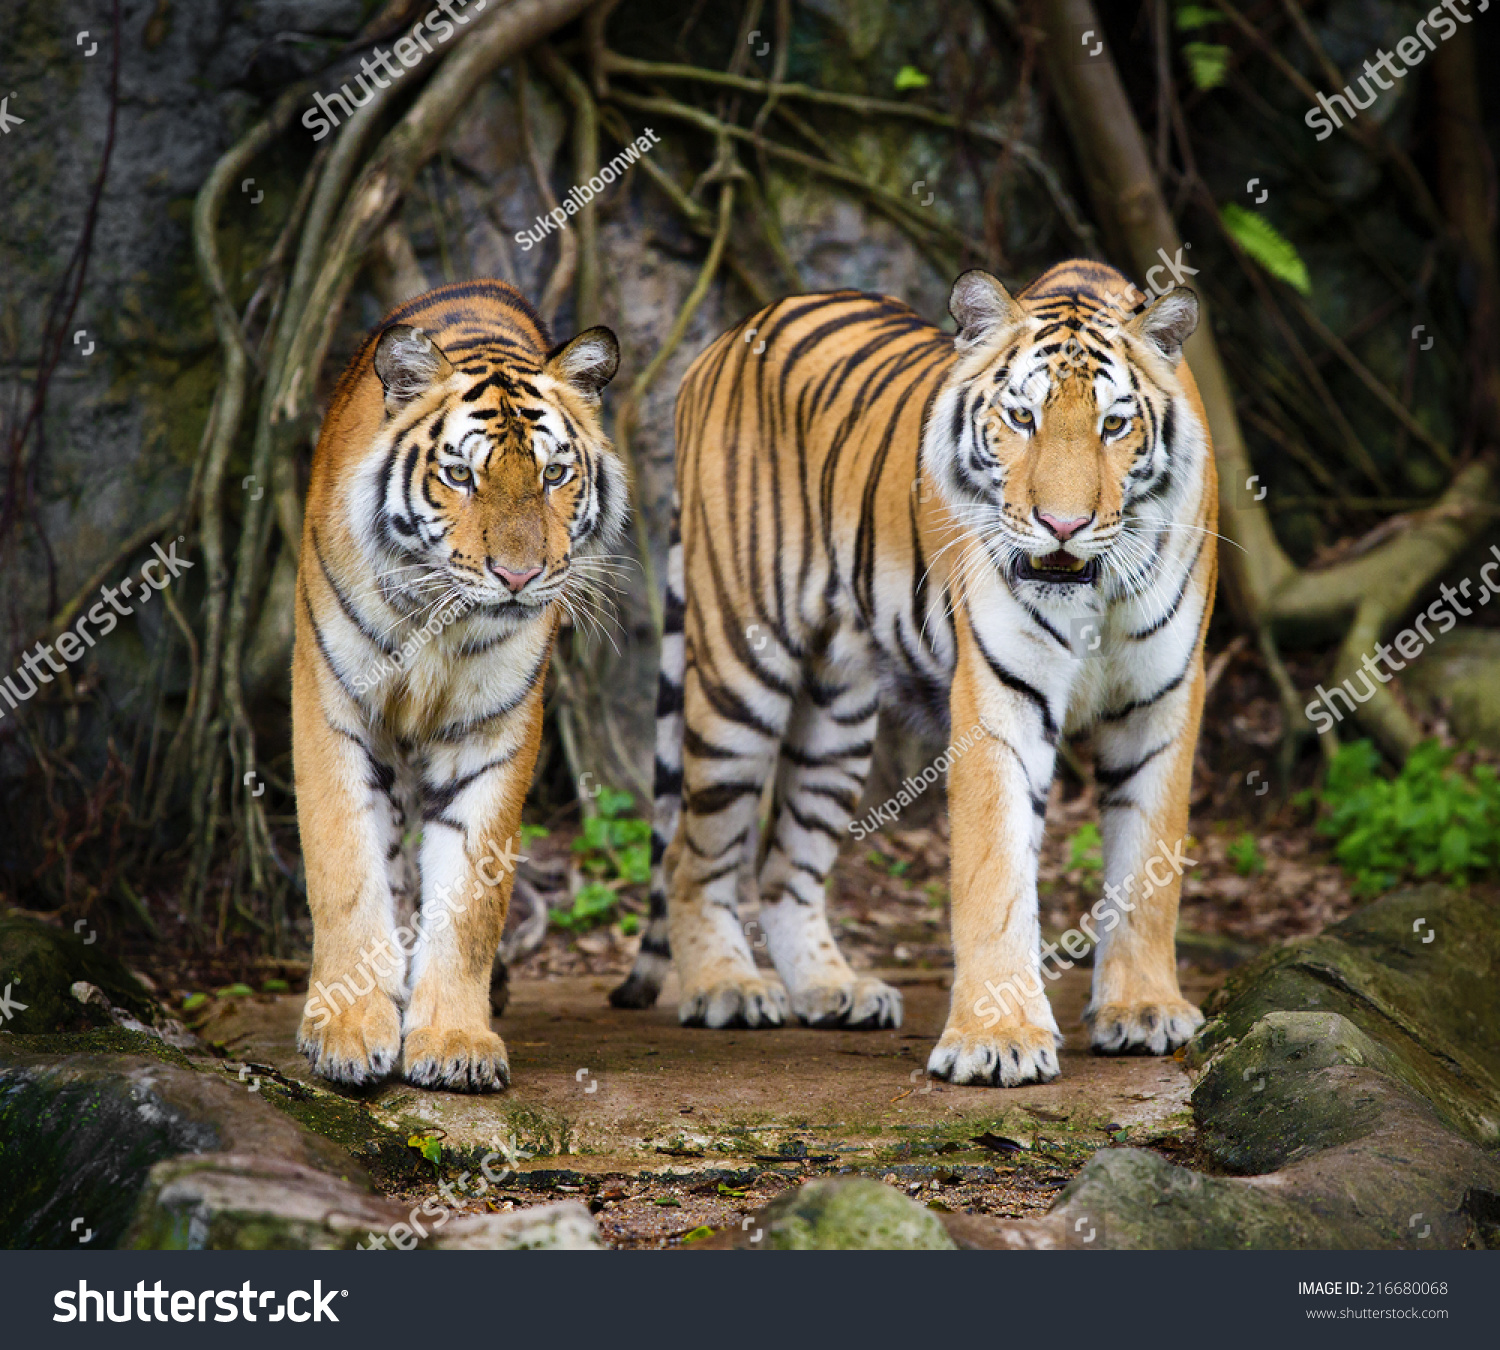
point(1059, 421)
point(495, 479)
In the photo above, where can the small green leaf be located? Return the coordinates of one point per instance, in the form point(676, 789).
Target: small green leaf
point(1189, 18)
point(235, 991)
point(194, 1001)
point(275, 987)
point(1263, 242)
point(428, 1145)
point(909, 77)
point(630, 925)
point(726, 1189)
point(530, 832)
point(698, 1234)
point(668, 1202)
point(1207, 63)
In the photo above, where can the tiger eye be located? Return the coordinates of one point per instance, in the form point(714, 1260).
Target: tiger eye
point(554, 473)
point(459, 474)
point(1113, 423)
point(1021, 416)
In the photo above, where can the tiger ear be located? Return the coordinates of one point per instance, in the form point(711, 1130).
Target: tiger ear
point(588, 362)
point(979, 305)
point(408, 363)
point(1168, 323)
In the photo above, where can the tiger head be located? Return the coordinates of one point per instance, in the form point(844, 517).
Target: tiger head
point(497, 477)
point(1053, 438)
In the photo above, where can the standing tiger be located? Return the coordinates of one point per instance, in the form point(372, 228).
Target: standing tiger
point(460, 482)
point(1011, 533)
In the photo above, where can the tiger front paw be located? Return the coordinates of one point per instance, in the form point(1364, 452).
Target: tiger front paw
point(357, 1045)
point(454, 1060)
point(1151, 1027)
point(1009, 1055)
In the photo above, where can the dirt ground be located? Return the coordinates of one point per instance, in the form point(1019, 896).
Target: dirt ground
point(671, 1133)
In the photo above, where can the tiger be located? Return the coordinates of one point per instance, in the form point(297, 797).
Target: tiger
point(1008, 532)
point(461, 483)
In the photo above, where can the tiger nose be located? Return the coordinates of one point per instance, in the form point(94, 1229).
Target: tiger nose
point(1063, 529)
point(514, 580)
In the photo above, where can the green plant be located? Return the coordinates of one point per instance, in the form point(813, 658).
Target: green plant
point(614, 850)
point(1086, 848)
point(430, 1146)
point(1429, 820)
point(1267, 245)
point(1245, 855)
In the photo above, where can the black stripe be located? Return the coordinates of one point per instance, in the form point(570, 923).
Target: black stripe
point(717, 797)
point(374, 639)
point(813, 825)
point(1171, 613)
point(668, 696)
point(1020, 686)
point(458, 730)
point(1117, 777)
point(1136, 704)
point(436, 800)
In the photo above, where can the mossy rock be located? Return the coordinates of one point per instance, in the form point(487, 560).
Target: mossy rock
point(79, 1137)
point(850, 1214)
point(1266, 1102)
point(86, 1120)
point(1414, 972)
point(41, 964)
point(1462, 671)
point(1132, 1199)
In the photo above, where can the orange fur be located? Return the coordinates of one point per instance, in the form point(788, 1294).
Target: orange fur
point(460, 473)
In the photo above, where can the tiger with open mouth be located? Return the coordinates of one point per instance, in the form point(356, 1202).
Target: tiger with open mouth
point(1009, 533)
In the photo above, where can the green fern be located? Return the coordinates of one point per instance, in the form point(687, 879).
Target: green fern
point(1267, 245)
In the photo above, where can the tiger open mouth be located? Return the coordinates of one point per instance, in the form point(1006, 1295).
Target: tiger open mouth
point(1059, 568)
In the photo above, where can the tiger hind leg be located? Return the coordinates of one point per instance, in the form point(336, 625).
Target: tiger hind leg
point(825, 757)
point(729, 753)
